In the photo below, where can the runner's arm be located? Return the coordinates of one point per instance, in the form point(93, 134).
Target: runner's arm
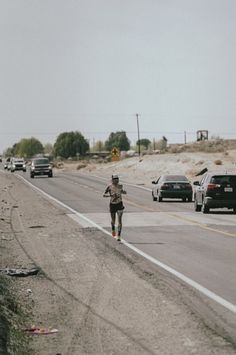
point(107, 192)
point(123, 191)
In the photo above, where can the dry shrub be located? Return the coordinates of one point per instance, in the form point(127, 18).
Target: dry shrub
point(218, 162)
point(211, 146)
point(175, 148)
point(81, 166)
point(59, 165)
point(214, 145)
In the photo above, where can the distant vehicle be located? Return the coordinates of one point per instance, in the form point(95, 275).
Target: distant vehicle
point(215, 190)
point(7, 163)
point(40, 166)
point(17, 164)
point(172, 186)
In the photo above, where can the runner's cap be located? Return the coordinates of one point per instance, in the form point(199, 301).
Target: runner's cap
point(114, 177)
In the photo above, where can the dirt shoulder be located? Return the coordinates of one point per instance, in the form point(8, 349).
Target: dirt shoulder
point(102, 298)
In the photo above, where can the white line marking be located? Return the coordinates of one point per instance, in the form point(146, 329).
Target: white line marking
point(186, 279)
point(230, 306)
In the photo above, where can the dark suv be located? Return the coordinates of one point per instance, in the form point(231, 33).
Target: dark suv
point(40, 166)
point(215, 190)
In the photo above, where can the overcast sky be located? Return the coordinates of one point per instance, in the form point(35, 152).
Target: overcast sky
point(91, 65)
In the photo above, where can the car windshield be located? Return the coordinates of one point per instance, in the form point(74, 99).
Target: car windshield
point(41, 161)
point(224, 179)
point(175, 178)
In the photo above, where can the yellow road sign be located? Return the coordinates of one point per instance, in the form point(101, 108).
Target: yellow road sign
point(115, 153)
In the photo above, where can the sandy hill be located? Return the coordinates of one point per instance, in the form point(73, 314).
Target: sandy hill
point(147, 168)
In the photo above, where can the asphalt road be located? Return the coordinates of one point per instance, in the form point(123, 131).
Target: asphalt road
point(200, 250)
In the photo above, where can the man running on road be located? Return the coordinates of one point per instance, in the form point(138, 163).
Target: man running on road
point(115, 191)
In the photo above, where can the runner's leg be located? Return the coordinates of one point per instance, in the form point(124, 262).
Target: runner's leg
point(120, 214)
point(113, 222)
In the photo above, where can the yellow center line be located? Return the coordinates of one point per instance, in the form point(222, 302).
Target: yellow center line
point(201, 225)
point(140, 206)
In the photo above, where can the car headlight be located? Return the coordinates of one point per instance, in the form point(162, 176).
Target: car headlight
point(32, 167)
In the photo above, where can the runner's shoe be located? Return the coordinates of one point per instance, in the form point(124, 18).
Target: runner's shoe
point(118, 239)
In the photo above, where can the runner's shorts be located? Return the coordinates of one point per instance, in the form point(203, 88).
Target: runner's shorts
point(114, 207)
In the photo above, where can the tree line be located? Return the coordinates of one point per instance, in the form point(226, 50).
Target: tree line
point(71, 144)
point(68, 144)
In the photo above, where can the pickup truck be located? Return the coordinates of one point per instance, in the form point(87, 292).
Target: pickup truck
point(40, 166)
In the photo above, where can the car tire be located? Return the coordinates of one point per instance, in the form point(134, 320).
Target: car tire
point(159, 198)
point(184, 199)
point(197, 207)
point(50, 175)
point(190, 199)
point(234, 210)
point(153, 197)
point(32, 176)
point(205, 208)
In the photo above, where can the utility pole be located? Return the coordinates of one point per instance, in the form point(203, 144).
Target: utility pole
point(185, 137)
point(93, 144)
point(139, 152)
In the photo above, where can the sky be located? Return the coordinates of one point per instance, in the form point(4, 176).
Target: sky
point(92, 65)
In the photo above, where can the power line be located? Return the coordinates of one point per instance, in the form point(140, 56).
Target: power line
point(108, 132)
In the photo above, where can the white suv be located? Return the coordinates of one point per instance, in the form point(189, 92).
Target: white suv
point(17, 164)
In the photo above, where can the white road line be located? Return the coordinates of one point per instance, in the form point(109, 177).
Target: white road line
point(197, 286)
point(230, 306)
point(80, 215)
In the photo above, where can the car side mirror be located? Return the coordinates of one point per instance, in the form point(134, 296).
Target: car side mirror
point(196, 183)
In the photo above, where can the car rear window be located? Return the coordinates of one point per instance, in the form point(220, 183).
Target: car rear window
point(175, 178)
point(224, 179)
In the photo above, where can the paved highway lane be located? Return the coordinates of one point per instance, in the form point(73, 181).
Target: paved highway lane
point(200, 247)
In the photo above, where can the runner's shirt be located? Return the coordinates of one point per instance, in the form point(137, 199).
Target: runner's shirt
point(115, 192)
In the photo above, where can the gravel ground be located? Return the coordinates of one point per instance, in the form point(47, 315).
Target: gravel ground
point(102, 298)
